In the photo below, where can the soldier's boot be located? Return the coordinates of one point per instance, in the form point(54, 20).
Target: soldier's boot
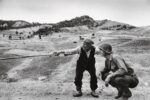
point(94, 94)
point(120, 92)
point(126, 93)
point(78, 92)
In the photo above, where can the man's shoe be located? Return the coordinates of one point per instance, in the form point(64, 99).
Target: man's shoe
point(94, 94)
point(118, 96)
point(77, 94)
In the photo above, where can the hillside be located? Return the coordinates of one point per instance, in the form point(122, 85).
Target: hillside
point(51, 78)
point(13, 24)
point(32, 74)
point(82, 24)
point(90, 22)
point(113, 25)
point(86, 24)
point(78, 21)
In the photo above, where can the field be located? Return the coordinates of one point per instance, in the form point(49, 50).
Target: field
point(51, 78)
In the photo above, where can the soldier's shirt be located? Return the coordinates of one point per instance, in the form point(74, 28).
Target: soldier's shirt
point(116, 62)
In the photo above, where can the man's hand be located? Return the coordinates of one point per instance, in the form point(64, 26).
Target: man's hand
point(56, 53)
point(51, 54)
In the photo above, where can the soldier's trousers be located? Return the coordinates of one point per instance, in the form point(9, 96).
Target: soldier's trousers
point(123, 83)
point(130, 81)
point(79, 76)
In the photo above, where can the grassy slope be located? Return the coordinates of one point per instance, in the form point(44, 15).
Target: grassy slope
point(43, 66)
point(6, 65)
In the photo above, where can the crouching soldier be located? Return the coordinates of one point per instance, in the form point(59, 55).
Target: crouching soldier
point(86, 62)
point(117, 73)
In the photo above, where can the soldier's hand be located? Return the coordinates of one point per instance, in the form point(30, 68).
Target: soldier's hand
point(99, 76)
point(107, 80)
point(106, 84)
point(65, 54)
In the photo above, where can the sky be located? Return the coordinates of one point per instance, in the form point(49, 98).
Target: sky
point(134, 12)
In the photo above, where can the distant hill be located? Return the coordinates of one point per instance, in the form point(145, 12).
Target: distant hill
point(86, 23)
point(20, 24)
point(143, 31)
point(113, 25)
point(81, 24)
point(9, 24)
point(91, 23)
point(78, 21)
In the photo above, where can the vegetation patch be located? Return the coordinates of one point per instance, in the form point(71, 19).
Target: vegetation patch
point(43, 66)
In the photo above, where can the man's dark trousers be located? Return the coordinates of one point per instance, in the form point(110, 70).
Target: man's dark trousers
point(79, 75)
point(86, 63)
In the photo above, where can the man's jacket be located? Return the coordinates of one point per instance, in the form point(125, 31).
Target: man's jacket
point(84, 60)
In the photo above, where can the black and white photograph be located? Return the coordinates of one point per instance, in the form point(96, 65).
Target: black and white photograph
point(74, 49)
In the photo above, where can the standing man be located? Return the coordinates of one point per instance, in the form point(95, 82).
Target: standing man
point(86, 62)
point(117, 73)
point(40, 37)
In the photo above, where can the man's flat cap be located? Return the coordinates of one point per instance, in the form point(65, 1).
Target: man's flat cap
point(89, 41)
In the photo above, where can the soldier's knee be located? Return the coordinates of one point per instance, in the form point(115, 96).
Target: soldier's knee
point(118, 79)
point(134, 83)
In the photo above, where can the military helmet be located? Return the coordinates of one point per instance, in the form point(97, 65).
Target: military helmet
point(107, 48)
